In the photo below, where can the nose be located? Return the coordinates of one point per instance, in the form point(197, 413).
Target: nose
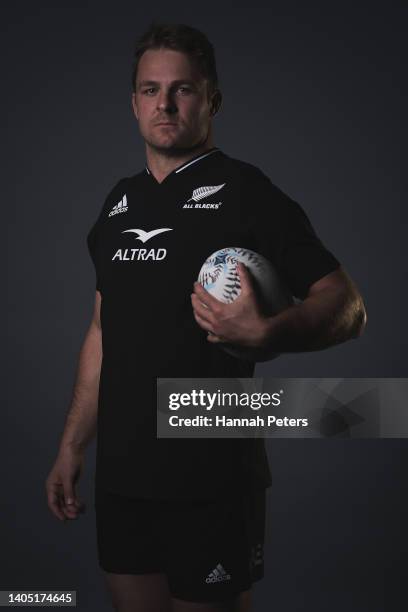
point(165, 102)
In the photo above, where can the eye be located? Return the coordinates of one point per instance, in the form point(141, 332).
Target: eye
point(149, 90)
point(184, 89)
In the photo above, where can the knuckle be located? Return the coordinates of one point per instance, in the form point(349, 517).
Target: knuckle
point(216, 327)
point(217, 309)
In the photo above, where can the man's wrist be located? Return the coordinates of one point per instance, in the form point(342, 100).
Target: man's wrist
point(279, 330)
point(266, 331)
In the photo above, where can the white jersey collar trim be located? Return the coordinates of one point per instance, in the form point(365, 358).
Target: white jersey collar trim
point(189, 163)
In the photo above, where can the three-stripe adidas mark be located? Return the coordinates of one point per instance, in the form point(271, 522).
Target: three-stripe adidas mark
point(120, 207)
point(218, 575)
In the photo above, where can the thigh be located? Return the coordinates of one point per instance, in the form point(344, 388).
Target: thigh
point(142, 593)
point(215, 551)
point(240, 603)
point(126, 533)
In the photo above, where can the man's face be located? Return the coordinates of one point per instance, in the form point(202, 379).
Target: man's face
point(170, 101)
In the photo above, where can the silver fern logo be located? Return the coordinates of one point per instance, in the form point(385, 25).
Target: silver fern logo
point(203, 192)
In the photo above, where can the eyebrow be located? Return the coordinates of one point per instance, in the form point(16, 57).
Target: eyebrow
point(178, 82)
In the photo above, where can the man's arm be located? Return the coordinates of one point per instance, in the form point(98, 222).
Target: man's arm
point(80, 425)
point(332, 313)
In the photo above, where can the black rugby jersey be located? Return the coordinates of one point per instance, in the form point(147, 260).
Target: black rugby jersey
point(148, 245)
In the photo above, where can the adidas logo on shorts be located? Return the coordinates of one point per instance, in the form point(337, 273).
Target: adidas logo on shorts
point(218, 575)
point(256, 555)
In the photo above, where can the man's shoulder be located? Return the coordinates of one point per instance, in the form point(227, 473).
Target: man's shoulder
point(242, 165)
point(252, 176)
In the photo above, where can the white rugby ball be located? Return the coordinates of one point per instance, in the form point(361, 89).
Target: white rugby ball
point(219, 276)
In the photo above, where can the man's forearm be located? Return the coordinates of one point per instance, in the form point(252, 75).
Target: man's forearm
point(80, 424)
point(322, 320)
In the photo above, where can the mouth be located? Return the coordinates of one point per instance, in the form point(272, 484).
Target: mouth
point(166, 123)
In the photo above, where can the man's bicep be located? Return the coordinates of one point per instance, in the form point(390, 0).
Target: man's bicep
point(347, 299)
point(337, 280)
point(341, 284)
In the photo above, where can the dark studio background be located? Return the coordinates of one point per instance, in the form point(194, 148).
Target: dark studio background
point(316, 97)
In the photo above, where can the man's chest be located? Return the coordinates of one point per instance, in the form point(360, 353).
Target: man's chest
point(161, 237)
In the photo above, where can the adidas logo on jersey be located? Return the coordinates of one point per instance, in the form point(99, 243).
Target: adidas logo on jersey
point(203, 192)
point(120, 207)
point(218, 575)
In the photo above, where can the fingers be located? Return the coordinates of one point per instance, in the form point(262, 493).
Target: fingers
point(225, 322)
point(63, 506)
point(214, 339)
point(202, 311)
point(54, 501)
point(70, 502)
point(73, 510)
point(206, 298)
point(244, 278)
point(205, 319)
point(203, 323)
point(211, 337)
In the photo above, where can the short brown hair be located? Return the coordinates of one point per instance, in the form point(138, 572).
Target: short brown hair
point(179, 37)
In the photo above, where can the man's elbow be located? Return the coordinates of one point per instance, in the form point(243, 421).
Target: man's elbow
point(359, 317)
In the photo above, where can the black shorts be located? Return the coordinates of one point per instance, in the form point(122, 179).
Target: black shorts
point(209, 550)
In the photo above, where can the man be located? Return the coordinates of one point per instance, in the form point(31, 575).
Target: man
point(180, 522)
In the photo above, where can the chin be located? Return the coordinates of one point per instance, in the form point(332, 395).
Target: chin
point(165, 143)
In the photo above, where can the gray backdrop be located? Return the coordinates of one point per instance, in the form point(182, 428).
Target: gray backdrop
point(316, 97)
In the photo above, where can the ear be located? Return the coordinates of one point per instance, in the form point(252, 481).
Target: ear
point(134, 105)
point(216, 102)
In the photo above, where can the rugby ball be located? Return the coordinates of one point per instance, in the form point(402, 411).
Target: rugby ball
point(219, 276)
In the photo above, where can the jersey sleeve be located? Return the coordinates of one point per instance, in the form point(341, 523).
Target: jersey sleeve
point(92, 238)
point(289, 240)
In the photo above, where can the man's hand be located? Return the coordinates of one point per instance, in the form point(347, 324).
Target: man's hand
point(332, 312)
point(60, 484)
point(240, 322)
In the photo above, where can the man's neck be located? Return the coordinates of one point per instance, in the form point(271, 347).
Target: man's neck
point(161, 164)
